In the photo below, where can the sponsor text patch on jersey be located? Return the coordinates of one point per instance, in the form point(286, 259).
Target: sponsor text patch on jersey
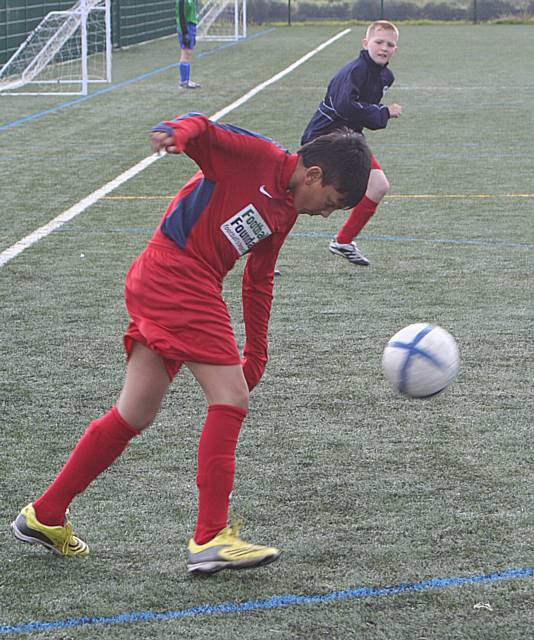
point(245, 229)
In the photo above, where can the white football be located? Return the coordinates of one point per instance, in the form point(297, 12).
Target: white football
point(421, 360)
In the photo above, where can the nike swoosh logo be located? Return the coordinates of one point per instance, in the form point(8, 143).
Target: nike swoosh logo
point(265, 192)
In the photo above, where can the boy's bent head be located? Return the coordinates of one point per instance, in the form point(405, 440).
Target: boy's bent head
point(344, 161)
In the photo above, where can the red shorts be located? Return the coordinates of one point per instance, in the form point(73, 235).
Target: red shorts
point(374, 162)
point(177, 310)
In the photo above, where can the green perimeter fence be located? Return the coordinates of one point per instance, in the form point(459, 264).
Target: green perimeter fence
point(136, 21)
point(133, 21)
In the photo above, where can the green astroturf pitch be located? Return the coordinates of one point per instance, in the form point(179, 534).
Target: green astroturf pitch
point(398, 518)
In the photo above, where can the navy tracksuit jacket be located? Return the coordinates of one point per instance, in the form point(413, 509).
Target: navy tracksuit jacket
point(353, 99)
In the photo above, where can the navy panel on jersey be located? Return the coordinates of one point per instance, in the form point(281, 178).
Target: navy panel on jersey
point(179, 223)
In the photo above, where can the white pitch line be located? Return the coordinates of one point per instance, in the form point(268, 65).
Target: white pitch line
point(277, 77)
point(16, 249)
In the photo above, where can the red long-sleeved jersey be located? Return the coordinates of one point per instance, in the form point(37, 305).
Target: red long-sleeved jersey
point(238, 204)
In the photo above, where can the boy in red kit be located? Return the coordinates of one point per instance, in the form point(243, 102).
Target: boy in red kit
point(353, 99)
point(245, 200)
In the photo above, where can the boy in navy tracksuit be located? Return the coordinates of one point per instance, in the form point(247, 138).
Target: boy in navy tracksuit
point(353, 99)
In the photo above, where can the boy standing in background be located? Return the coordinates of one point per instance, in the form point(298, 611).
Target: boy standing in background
point(186, 27)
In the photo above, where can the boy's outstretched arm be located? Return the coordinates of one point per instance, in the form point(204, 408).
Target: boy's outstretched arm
point(258, 281)
point(349, 103)
point(175, 136)
point(219, 150)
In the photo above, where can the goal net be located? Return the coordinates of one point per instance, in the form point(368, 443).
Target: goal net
point(63, 54)
point(222, 20)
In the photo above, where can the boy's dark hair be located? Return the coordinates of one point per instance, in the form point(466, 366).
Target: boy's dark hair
point(345, 159)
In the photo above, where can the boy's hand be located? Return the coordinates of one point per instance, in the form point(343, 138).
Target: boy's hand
point(395, 110)
point(162, 142)
point(253, 370)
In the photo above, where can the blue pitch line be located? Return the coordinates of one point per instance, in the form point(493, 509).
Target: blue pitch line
point(275, 602)
point(507, 243)
point(149, 74)
point(70, 228)
point(504, 243)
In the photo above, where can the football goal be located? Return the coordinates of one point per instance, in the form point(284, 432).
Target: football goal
point(221, 20)
point(66, 52)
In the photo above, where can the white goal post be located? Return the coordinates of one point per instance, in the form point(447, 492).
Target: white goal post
point(66, 52)
point(222, 20)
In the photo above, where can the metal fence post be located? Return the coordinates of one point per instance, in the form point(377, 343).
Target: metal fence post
point(116, 19)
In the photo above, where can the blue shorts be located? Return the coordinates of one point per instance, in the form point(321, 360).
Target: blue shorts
point(192, 35)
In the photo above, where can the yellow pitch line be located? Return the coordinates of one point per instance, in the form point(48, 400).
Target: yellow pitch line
point(405, 196)
point(461, 195)
point(138, 197)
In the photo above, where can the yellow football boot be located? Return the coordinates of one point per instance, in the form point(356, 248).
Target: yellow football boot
point(60, 540)
point(228, 551)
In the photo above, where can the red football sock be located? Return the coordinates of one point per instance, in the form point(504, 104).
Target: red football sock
point(357, 220)
point(216, 468)
point(102, 443)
